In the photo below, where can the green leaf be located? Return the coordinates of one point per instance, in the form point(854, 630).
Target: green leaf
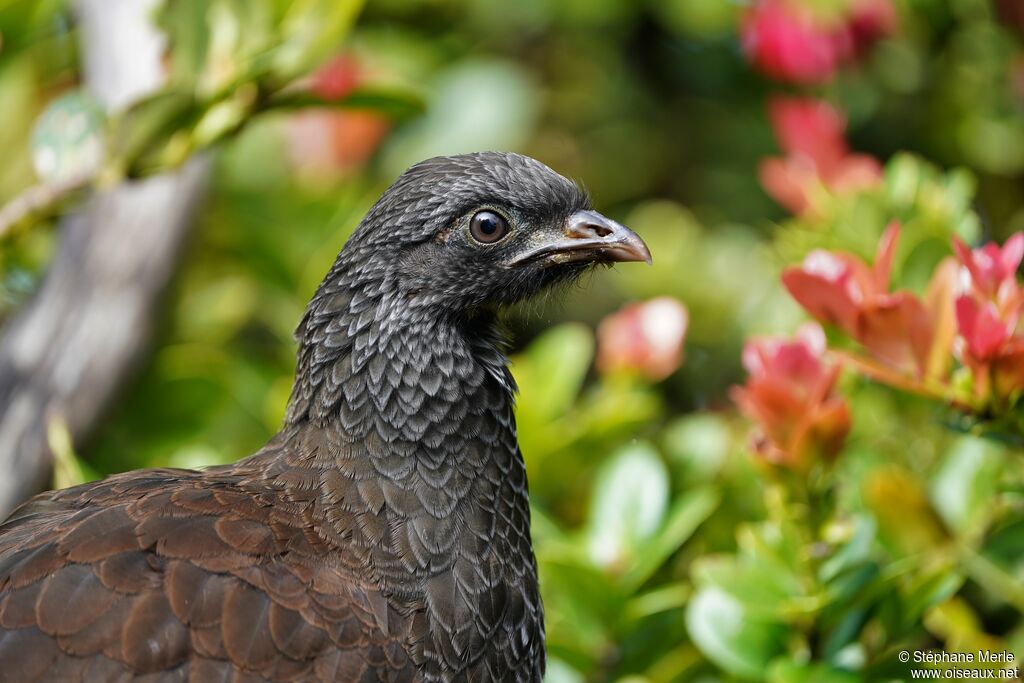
point(764, 590)
point(144, 131)
point(964, 489)
point(841, 638)
point(224, 118)
point(581, 603)
point(854, 552)
point(551, 371)
point(699, 443)
point(731, 636)
point(906, 519)
point(696, 18)
point(243, 34)
point(476, 104)
point(185, 24)
point(773, 546)
point(391, 101)
point(661, 599)
point(24, 24)
point(312, 31)
point(788, 671)
point(1004, 543)
point(927, 591)
point(687, 513)
point(852, 582)
point(628, 505)
point(560, 672)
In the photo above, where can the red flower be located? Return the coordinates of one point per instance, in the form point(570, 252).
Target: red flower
point(796, 41)
point(987, 313)
point(989, 347)
point(809, 128)
point(646, 338)
point(840, 289)
point(992, 270)
point(983, 332)
point(811, 134)
point(337, 78)
point(870, 21)
point(326, 142)
point(790, 394)
point(988, 309)
point(834, 286)
point(787, 42)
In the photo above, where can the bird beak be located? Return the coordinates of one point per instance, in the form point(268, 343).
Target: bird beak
point(589, 236)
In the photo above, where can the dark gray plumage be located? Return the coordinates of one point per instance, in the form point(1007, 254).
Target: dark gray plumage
point(383, 534)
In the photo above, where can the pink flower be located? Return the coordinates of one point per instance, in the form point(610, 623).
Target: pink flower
point(817, 157)
point(835, 287)
point(869, 21)
point(988, 308)
point(983, 332)
point(809, 128)
point(787, 42)
point(330, 142)
point(790, 395)
point(799, 42)
point(645, 338)
point(897, 328)
point(987, 313)
point(337, 78)
point(989, 347)
point(992, 269)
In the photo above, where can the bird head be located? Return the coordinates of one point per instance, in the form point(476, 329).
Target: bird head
point(452, 240)
point(480, 230)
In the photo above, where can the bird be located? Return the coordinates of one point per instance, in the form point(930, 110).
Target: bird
point(383, 534)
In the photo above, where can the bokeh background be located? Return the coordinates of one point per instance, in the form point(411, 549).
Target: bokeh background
point(735, 136)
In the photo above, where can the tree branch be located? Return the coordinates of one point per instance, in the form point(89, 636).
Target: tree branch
point(72, 347)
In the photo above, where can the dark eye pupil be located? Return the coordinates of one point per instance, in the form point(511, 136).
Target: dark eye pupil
point(488, 227)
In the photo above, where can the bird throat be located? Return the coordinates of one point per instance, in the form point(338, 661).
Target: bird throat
point(408, 423)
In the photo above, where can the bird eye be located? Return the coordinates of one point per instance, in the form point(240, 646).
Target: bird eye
point(488, 227)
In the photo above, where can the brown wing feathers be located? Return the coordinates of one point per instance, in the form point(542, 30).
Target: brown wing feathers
point(188, 580)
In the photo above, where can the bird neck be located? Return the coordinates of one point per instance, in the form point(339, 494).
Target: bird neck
point(372, 362)
point(408, 418)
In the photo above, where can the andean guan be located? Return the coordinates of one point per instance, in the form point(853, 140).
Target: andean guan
point(384, 533)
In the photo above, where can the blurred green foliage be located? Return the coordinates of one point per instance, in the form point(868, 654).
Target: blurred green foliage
point(666, 552)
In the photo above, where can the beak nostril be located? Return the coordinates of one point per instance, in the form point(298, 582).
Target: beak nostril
point(589, 230)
